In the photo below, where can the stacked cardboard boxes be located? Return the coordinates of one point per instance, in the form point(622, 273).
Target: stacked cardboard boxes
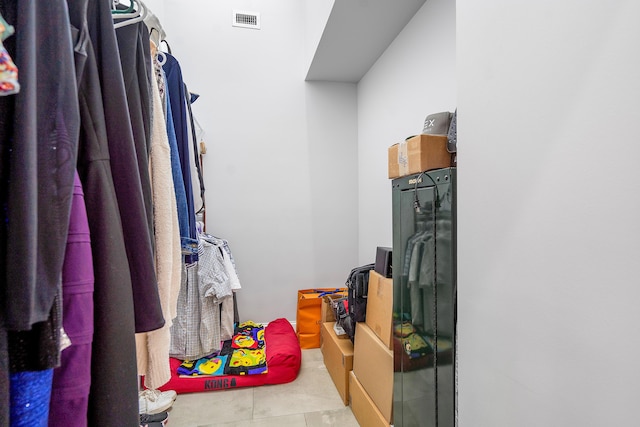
point(380, 306)
point(364, 409)
point(338, 358)
point(371, 382)
point(363, 371)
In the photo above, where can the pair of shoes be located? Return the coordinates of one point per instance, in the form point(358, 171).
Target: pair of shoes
point(154, 420)
point(155, 401)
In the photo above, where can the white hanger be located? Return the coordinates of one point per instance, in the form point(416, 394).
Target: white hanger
point(162, 58)
point(156, 32)
point(129, 12)
point(138, 16)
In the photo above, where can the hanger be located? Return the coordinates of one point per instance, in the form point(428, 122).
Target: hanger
point(156, 32)
point(198, 127)
point(133, 17)
point(116, 11)
point(162, 58)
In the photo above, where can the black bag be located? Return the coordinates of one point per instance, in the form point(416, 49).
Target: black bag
point(357, 288)
point(343, 319)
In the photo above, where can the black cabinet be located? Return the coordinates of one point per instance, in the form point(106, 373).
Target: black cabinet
point(424, 281)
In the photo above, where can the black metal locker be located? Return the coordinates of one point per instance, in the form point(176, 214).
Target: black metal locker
point(424, 281)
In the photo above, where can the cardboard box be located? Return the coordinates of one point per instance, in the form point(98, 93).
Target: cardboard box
point(418, 154)
point(380, 307)
point(338, 358)
point(339, 331)
point(373, 366)
point(362, 406)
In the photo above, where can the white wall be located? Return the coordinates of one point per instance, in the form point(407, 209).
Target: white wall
point(333, 168)
point(157, 8)
point(316, 15)
point(279, 175)
point(549, 208)
point(413, 78)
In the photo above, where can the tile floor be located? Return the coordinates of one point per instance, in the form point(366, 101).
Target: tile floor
point(311, 400)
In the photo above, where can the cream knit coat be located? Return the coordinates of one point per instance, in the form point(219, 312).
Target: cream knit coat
point(152, 348)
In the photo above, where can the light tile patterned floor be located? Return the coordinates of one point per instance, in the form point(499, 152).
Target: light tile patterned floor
point(311, 400)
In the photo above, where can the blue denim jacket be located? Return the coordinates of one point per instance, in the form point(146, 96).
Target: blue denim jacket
point(188, 243)
point(175, 95)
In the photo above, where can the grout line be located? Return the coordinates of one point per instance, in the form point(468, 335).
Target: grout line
point(253, 404)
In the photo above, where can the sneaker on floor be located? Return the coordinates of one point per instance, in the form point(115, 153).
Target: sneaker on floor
point(155, 401)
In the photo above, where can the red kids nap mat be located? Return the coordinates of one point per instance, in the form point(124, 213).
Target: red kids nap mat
point(283, 358)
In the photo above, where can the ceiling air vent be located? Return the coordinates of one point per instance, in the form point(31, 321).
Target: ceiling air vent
point(246, 19)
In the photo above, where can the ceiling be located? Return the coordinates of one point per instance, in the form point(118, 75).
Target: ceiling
point(356, 34)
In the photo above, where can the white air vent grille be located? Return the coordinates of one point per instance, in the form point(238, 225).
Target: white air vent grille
point(246, 19)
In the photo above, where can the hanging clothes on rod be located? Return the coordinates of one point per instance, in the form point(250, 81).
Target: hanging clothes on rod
point(177, 95)
point(156, 32)
point(126, 298)
point(103, 234)
point(38, 150)
point(205, 304)
point(153, 347)
point(190, 98)
point(135, 59)
point(153, 155)
point(72, 378)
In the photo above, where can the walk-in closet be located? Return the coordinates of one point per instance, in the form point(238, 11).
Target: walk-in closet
point(305, 213)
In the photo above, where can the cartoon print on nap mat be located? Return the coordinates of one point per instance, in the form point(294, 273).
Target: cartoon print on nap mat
point(247, 362)
point(248, 335)
point(207, 366)
point(244, 354)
